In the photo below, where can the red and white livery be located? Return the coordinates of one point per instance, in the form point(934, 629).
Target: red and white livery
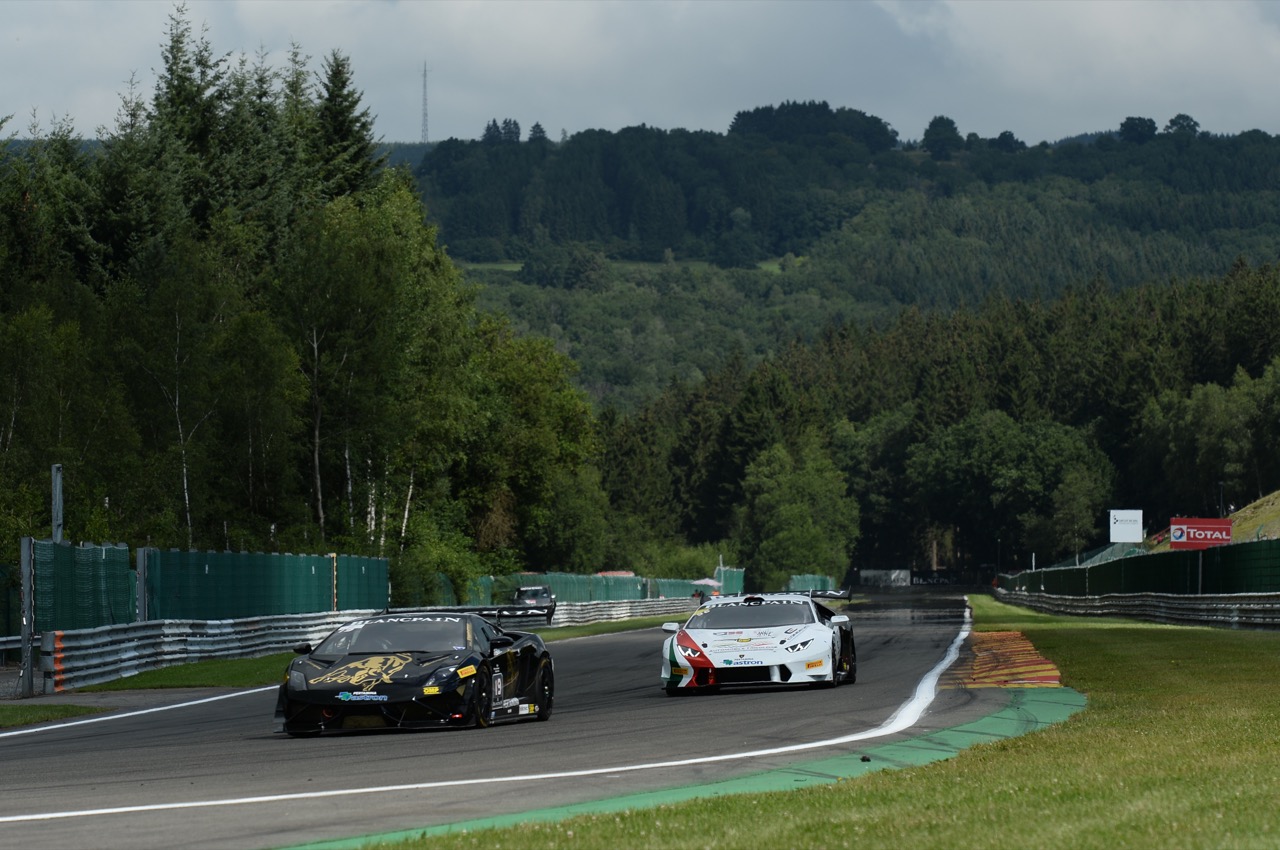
point(759, 639)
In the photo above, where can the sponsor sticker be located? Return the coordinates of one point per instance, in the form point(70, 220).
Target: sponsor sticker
point(362, 696)
point(464, 672)
point(429, 690)
point(742, 662)
point(811, 665)
point(360, 624)
point(367, 672)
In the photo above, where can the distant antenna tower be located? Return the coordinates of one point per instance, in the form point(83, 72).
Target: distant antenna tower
point(424, 103)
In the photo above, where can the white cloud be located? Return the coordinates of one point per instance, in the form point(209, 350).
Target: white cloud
point(1044, 69)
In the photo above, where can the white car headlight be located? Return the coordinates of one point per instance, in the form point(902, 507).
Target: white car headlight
point(796, 647)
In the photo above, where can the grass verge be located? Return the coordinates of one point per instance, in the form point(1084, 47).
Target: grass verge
point(24, 714)
point(1173, 751)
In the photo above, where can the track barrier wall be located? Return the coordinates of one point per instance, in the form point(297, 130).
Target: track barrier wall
point(1233, 586)
point(76, 658)
point(1252, 567)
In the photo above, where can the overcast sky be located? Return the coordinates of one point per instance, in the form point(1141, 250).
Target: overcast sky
point(1044, 69)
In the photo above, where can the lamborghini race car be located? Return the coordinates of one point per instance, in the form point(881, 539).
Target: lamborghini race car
point(758, 639)
point(416, 670)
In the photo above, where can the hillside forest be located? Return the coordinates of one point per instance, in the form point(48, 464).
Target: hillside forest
point(804, 346)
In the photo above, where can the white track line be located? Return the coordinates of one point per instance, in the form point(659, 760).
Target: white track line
point(104, 718)
point(907, 715)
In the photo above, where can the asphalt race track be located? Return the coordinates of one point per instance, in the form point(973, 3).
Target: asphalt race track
point(206, 771)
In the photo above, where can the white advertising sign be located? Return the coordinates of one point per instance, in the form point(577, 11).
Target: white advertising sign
point(1126, 526)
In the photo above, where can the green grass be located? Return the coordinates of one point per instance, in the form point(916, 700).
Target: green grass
point(24, 714)
point(1177, 749)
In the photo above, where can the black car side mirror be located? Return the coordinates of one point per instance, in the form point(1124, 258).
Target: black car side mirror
point(302, 648)
point(501, 642)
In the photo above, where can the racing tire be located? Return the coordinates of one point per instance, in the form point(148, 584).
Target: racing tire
point(852, 675)
point(481, 699)
point(545, 690)
point(837, 657)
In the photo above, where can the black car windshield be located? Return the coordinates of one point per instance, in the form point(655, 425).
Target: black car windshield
point(750, 613)
point(399, 633)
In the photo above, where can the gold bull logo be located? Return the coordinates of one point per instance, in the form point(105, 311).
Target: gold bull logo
point(365, 673)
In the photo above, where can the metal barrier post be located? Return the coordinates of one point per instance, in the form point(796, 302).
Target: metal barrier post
point(142, 612)
point(26, 681)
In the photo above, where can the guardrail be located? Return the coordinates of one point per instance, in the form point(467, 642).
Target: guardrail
point(73, 659)
point(1232, 611)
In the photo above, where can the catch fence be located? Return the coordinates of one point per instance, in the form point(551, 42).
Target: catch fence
point(1252, 567)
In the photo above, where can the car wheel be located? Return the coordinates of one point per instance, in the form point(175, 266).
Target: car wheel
point(481, 698)
point(836, 658)
point(852, 675)
point(546, 690)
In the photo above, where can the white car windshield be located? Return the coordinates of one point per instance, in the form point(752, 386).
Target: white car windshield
point(751, 613)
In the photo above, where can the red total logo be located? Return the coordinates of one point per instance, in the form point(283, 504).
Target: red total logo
point(1187, 533)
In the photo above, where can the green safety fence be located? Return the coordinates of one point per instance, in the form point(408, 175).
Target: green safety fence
point(567, 587)
point(82, 587)
point(361, 580)
point(194, 585)
point(802, 583)
point(1239, 568)
point(731, 579)
point(11, 613)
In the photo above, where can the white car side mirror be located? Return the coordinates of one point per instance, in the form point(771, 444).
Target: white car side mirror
point(675, 627)
point(839, 618)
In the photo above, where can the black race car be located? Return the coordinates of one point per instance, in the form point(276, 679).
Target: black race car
point(416, 670)
point(538, 596)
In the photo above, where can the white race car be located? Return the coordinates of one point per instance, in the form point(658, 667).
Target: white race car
point(758, 639)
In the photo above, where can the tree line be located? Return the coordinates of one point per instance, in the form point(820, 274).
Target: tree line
point(945, 219)
point(974, 439)
point(234, 328)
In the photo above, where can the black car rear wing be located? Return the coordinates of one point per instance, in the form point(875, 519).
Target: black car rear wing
point(843, 593)
point(498, 613)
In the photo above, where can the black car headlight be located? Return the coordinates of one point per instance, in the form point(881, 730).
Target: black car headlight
point(440, 675)
point(297, 681)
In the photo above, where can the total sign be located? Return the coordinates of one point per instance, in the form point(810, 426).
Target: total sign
point(1188, 533)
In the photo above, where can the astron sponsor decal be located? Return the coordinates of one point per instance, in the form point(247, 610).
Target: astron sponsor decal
point(1198, 533)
